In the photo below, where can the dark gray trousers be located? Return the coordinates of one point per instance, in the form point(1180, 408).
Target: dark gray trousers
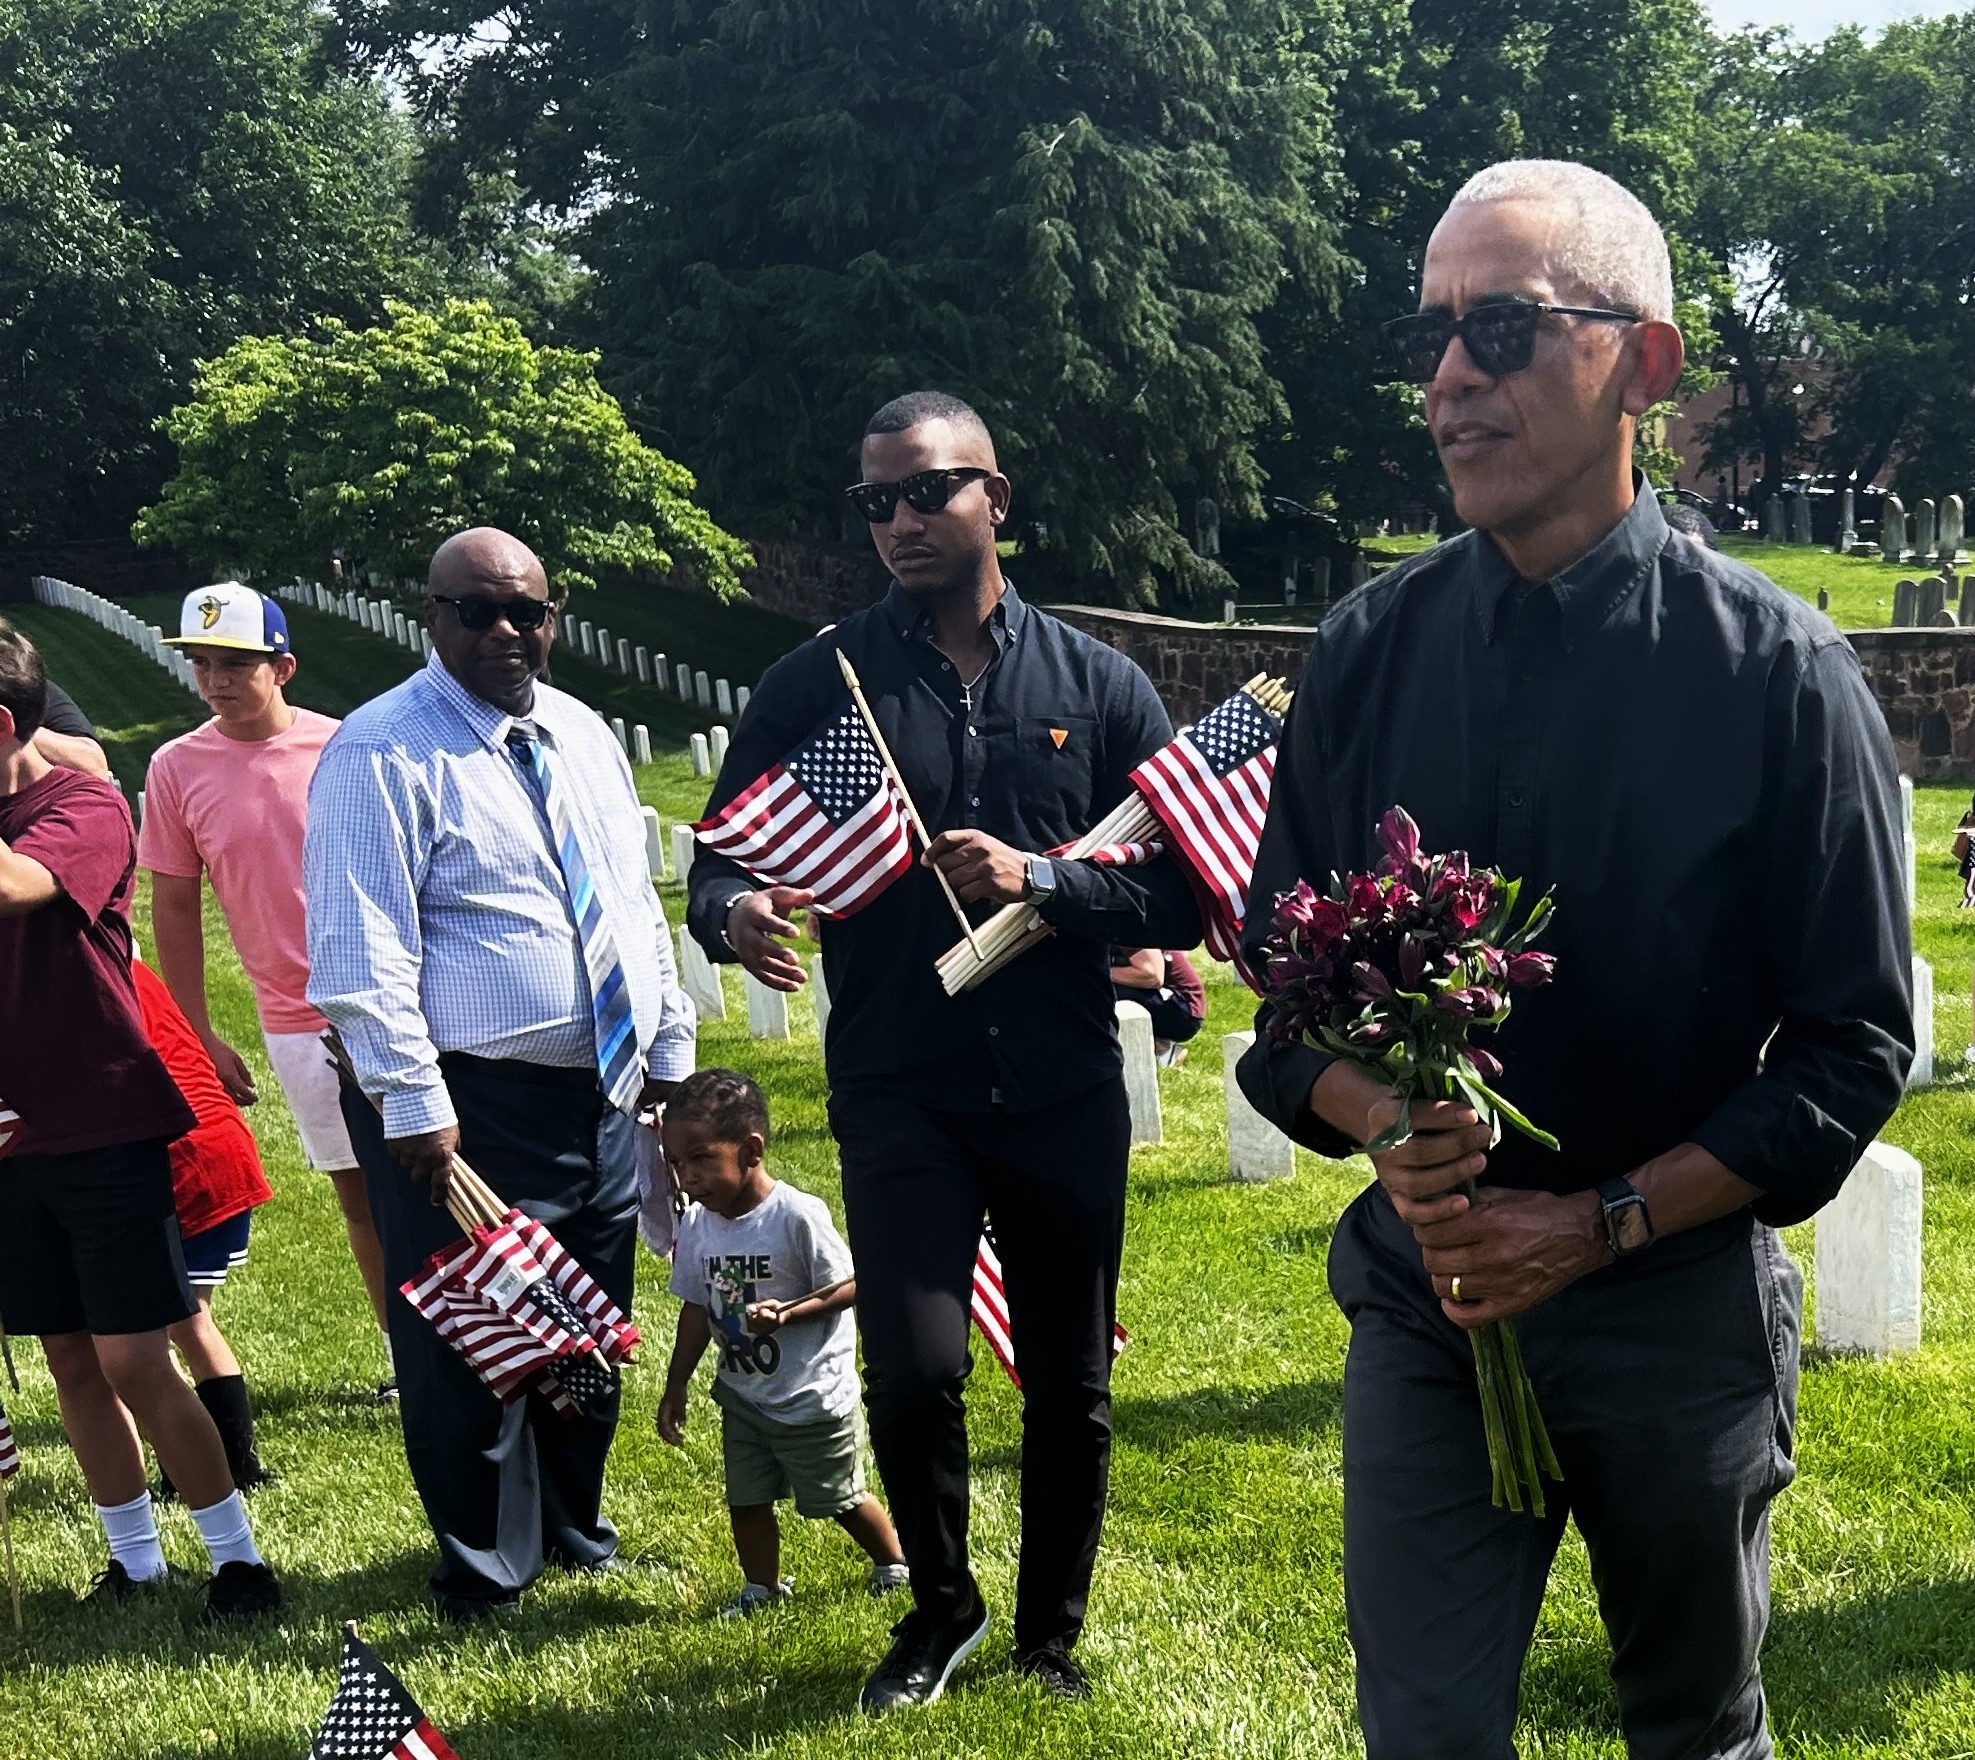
point(506, 1487)
point(1669, 1386)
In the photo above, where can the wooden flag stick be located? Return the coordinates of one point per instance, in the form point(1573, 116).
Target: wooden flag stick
point(905, 794)
point(7, 1535)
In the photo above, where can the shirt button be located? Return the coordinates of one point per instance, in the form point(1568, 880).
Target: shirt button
point(994, 1032)
point(973, 733)
point(946, 666)
point(1515, 799)
point(974, 800)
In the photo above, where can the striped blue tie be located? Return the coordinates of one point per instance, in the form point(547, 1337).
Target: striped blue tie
point(618, 1064)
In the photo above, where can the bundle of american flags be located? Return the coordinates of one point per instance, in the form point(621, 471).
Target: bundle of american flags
point(372, 1717)
point(1203, 798)
point(10, 1456)
point(990, 1310)
point(828, 818)
point(512, 1301)
point(525, 1315)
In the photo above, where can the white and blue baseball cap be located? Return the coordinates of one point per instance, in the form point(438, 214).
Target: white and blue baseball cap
point(230, 615)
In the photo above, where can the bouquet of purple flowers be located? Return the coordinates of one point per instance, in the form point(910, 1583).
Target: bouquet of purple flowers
point(1394, 970)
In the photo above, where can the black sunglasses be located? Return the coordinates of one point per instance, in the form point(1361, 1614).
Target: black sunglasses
point(924, 492)
point(1500, 337)
point(477, 611)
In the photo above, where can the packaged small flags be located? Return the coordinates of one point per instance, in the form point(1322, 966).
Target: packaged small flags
point(372, 1717)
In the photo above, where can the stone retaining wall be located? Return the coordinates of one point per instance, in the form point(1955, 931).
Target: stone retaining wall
point(818, 583)
point(1924, 679)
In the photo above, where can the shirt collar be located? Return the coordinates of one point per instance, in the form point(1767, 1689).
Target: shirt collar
point(1592, 587)
point(488, 723)
point(914, 622)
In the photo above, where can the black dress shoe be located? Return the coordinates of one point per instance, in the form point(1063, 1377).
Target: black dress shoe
point(464, 1610)
point(923, 1656)
point(1055, 1672)
point(113, 1585)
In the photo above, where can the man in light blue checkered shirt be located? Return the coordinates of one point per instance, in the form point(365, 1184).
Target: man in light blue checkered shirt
point(484, 935)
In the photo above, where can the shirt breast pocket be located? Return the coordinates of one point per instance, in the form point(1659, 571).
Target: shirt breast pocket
point(1058, 763)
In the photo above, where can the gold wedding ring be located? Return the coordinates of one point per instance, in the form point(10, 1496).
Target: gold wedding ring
point(1457, 1286)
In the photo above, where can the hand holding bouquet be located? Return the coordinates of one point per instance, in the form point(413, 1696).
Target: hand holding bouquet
point(1394, 970)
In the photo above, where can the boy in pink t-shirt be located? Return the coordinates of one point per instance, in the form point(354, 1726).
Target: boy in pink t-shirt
point(228, 801)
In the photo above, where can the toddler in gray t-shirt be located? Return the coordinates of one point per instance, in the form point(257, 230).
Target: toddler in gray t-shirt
point(764, 1276)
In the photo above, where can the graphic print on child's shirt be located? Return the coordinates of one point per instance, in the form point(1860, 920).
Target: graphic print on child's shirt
point(731, 1282)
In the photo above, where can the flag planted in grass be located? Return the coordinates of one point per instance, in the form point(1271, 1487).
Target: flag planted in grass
point(827, 818)
point(372, 1717)
point(10, 1456)
point(990, 1310)
point(525, 1315)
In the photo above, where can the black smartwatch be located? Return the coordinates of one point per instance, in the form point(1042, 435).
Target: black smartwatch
point(1040, 873)
point(1628, 1226)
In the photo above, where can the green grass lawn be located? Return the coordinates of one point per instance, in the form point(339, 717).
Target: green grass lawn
point(1217, 1624)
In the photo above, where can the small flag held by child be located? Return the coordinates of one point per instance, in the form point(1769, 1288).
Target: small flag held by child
point(372, 1717)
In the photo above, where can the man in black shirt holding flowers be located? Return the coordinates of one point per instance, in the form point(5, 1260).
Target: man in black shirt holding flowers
point(1690, 757)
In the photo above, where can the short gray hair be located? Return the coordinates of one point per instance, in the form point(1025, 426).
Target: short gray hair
point(1609, 244)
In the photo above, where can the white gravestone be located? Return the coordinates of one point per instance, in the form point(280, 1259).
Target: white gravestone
point(682, 852)
point(1923, 531)
point(641, 744)
point(767, 1009)
point(1800, 520)
point(398, 628)
point(702, 690)
point(1951, 531)
point(643, 660)
point(1892, 528)
point(685, 679)
point(702, 758)
point(1257, 1151)
point(716, 741)
point(1775, 520)
point(1922, 1073)
point(661, 678)
point(742, 696)
point(699, 977)
point(425, 643)
point(723, 697)
point(819, 988)
point(586, 639)
point(618, 733)
point(1141, 1073)
point(654, 842)
point(624, 656)
point(604, 650)
point(1868, 1257)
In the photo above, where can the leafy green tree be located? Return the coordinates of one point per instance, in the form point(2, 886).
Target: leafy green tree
point(380, 443)
point(1072, 212)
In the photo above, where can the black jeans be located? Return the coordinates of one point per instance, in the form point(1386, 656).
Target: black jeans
point(1668, 1384)
point(917, 1183)
point(505, 1487)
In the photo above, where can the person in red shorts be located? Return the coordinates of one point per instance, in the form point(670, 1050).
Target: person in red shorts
point(216, 1182)
point(90, 1255)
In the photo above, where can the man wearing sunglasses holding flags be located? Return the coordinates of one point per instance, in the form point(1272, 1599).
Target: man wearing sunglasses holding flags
point(1014, 734)
point(484, 936)
point(1690, 758)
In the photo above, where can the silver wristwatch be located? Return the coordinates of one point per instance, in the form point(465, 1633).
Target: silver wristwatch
point(1040, 873)
point(726, 911)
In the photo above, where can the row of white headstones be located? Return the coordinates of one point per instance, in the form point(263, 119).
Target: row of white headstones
point(595, 644)
point(1868, 1239)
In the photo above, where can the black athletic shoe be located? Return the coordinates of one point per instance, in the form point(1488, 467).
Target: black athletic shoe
point(1055, 1672)
point(466, 1610)
point(387, 1392)
point(113, 1585)
point(242, 1591)
point(922, 1659)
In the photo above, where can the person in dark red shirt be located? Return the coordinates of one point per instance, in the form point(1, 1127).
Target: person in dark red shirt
point(90, 1255)
point(216, 1181)
point(1167, 987)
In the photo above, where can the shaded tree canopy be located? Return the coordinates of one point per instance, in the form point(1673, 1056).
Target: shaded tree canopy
point(380, 443)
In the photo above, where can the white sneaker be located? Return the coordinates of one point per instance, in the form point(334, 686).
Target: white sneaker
point(755, 1596)
point(885, 1578)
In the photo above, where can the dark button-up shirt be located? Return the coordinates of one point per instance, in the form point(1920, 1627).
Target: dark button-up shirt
point(1058, 723)
point(1691, 758)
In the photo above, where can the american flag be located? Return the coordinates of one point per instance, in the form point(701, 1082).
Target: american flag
point(372, 1717)
point(827, 818)
point(525, 1315)
point(10, 1456)
point(990, 1307)
point(1210, 790)
point(10, 1126)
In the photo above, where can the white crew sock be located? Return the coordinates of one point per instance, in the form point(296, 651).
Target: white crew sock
point(132, 1531)
point(223, 1527)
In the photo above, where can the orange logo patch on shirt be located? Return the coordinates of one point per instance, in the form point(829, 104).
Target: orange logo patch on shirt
point(1059, 735)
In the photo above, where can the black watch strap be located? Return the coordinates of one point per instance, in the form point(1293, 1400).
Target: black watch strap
point(1628, 1224)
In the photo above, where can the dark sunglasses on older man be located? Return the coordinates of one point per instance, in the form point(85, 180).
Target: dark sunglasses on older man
point(479, 611)
point(923, 492)
point(1500, 337)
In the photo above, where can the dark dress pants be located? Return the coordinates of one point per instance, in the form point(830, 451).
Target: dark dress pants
point(1668, 1384)
point(917, 1182)
point(506, 1487)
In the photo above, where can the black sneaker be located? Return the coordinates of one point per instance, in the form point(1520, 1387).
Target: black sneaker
point(240, 1590)
point(1055, 1672)
point(387, 1392)
point(113, 1585)
point(922, 1659)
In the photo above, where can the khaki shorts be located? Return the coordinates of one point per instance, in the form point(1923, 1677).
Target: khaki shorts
point(822, 1464)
